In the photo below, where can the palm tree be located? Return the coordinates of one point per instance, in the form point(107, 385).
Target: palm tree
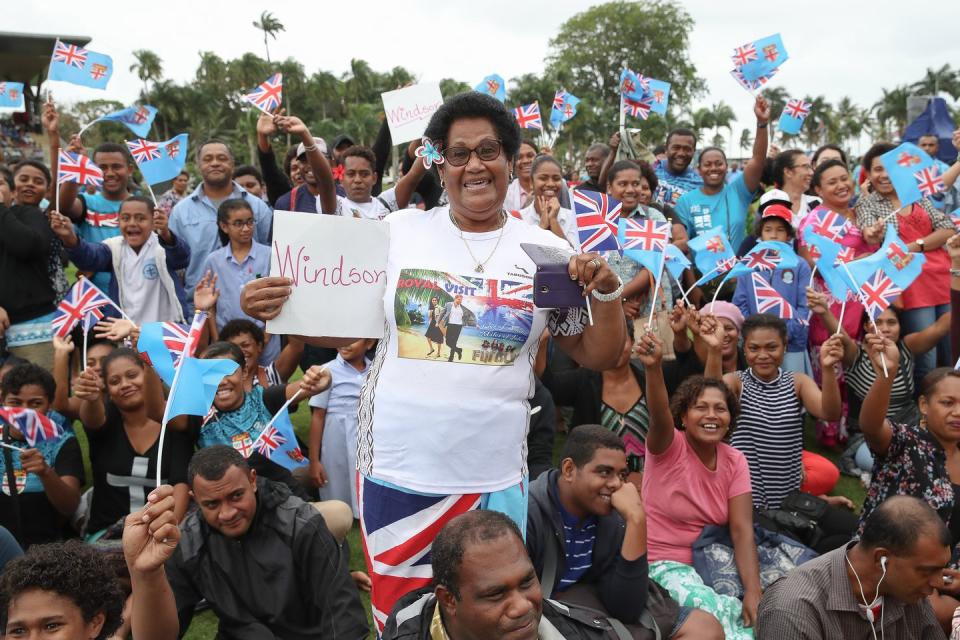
point(270, 27)
point(746, 140)
point(892, 106)
point(149, 67)
point(723, 118)
point(702, 120)
point(944, 79)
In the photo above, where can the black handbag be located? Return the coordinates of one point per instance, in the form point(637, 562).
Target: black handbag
point(798, 517)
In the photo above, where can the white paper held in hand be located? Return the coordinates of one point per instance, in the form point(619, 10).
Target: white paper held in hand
point(339, 270)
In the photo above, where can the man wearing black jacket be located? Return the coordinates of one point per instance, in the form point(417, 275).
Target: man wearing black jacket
point(262, 558)
point(587, 539)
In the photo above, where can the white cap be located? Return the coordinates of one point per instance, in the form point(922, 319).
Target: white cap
point(321, 147)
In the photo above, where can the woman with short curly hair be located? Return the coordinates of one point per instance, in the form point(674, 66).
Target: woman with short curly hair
point(68, 588)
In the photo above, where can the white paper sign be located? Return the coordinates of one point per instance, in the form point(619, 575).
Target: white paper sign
point(408, 110)
point(339, 270)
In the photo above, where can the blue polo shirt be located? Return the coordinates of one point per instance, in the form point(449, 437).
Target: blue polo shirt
point(728, 208)
point(195, 220)
point(670, 186)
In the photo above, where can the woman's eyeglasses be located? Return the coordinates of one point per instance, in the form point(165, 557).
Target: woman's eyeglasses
point(240, 224)
point(487, 150)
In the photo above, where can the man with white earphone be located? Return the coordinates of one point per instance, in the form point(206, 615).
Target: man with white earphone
point(874, 588)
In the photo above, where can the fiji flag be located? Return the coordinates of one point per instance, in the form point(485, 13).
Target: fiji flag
point(768, 255)
point(794, 113)
point(825, 253)
point(913, 173)
point(197, 385)
point(11, 95)
point(278, 443)
point(165, 343)
point(644, 241)
point(493, 85)
point(767, 54)
point(659, 96)
point(137, 119)
point(77, 65)
point(676, 263)
point(159, 161)
point(634, 86)
point(564, 108)
point(597, 220)
point(894, 258)
point(712, 254)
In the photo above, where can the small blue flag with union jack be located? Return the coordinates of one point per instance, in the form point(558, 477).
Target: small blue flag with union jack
point(758, 58)
point(598, 218)
point(826, 255)
point(166, 343)
point(637, 108)
point(76, 167)
point(11, 95)
point(829, 224)
point(751, 85)
point(659, 96)
point(769, 300)
point(268, 96)
point(138, 119)
point(528, 116)
point(675, 261)
point(77, 65)
point(197, 385)
point(564, 108)
point(278, 443)
point(712, 254)
point(768, 255)
point(83, 299)
point(493, 85)
point(159, 161)
point(634, 86)
point(794, 113)
point(34, 426)
point(894, 258)
point(913, 173)
point(644, 241)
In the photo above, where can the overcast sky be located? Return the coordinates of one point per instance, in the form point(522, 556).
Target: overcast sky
point(837, 47)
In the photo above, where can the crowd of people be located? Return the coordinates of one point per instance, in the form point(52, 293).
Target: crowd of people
point(684, 503)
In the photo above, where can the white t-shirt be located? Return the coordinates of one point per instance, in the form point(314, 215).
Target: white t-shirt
point(144, 298)
point(807, 204)
point(376, 209)
point(566, 217)
point(452, 427)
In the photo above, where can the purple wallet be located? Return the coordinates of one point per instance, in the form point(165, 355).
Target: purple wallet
point(552, 286)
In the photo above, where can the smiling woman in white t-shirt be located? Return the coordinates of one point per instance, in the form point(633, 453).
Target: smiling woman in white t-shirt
point(438, 437)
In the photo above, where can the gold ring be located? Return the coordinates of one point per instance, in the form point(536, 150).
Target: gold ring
point(596, 263)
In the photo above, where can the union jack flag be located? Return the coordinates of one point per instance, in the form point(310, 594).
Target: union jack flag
point(797, 108)
point(182, 340)
point(76, 167)
point(752, 85)
point(70, 54)
point(269, 441)
point(97, 219)
point(398, 530)
point(846, 254)
point(269, 95)
point(830, 224)
point(929, 181)
point(597, 220)
point(765, 259)
point(637, 108)
point(645, 235)
point(879, 292)
point(743, 55)
point(528, 116)
point(143, 150)
point(82, 299)
point(768, 300)
point(34, 426)
point(955, 219)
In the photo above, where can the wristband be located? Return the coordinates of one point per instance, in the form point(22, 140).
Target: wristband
point(762, 125)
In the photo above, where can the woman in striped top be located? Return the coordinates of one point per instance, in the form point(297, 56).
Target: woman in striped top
point(770, 429)
point(860, 374)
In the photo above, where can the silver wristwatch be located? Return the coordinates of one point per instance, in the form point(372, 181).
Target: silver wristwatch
point(609, 297)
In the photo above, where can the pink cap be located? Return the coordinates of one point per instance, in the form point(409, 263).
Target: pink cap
point(726, 310)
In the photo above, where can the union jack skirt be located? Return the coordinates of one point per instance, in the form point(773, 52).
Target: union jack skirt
point(398, 528)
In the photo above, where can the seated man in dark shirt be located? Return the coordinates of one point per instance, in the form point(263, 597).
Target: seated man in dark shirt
point(262, 558)
point(587, 538)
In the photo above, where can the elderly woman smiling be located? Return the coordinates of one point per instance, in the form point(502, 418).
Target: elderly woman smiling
point(438, 437)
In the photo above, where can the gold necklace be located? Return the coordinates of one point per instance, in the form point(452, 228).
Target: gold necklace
point(480, 265)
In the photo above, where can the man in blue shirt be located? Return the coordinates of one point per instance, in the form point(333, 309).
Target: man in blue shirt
point(674, 175)
point(96, 216)
point(717, 203)
point(930, 143)
point(195, 217)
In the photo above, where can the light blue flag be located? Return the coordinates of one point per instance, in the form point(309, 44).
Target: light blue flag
point(793, 116)
point(11, 95)
point(893, 258)
point(914, 174)
point(278, 443)
point(760, 57)
point(676, 262)
point(768, 255)
point(659, 96)
point(493, 85)
point(77, 65)
point(824, 253)
point(197, 385)
point(137, 119)
point(564, 108)
point(633, 86)
point(159, 161)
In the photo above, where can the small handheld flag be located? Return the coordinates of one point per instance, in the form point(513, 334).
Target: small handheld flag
point(268, 96)
point(493, 85)
point(829, 224)
point(278, 441)
point(598, 218)
point(166, 343)
point(80, 66)
point(637, 108)
point(913, 173)
point(758, 58)
point(634, 86)
point(564, 108)
point(34, 426)
point(159, 161)
point(794, 113)
point(82, 299)
point(11, 95)
point(676, 263)
point(528, 116)
point(752, 85)
point(76, 167)
point(769, 300)
point(768, 255)
point(879, 291)
point(644, 241)
point(712, 254)
point(138, 119)
point(659, 96)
